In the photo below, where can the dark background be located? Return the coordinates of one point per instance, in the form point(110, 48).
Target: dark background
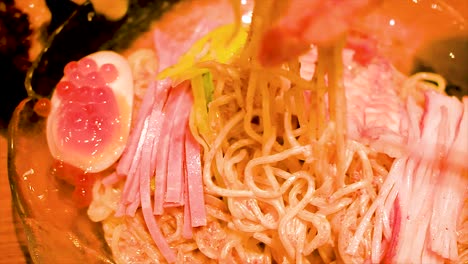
point(83, 32)
point(86, 32)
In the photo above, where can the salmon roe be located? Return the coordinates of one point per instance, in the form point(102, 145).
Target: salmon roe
point(82, 181)
point(42, 107)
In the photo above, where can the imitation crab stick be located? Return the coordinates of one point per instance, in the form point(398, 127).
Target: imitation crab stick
point(424, 191)
point(307, 22)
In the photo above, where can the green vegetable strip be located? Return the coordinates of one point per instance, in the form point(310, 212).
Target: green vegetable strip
point(200, 107)
point(209, 87)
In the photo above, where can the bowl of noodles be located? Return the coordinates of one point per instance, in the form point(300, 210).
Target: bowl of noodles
point(256, 132)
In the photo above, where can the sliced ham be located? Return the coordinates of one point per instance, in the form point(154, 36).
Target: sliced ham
point(194, 181)
point(158, 116)
point(129, 193)
point(157, 155)
point(129, 154)
point(158, 144)
point(175, 168)
point(131, 161)
point(163, 148)
point(144, 184)
point(187, 228)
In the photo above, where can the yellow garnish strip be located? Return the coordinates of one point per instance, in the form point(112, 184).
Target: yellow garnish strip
point(219, 45)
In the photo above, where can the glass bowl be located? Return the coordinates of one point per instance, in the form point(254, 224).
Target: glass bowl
point(59, 232)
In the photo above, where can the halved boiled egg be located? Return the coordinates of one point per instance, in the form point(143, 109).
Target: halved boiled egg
point(91, 110)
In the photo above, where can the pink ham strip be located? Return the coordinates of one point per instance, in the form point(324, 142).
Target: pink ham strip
point(130, 191)
point(129, 154)
point(130, 159)
point(148, 146)
point(160, 122)
point(194, 181)
point(190, 26)
point(163, 148)
point(172, 205)
point(187, 228)
point(157, 120)
point(110, 180)
point(153, 228)
point(151, 130)
point(158, 117)
point(131, 184)
point(175, 172)
point(170, 45)
point(133, 206)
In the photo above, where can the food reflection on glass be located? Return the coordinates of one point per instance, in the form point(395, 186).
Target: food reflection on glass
point(266, 132)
